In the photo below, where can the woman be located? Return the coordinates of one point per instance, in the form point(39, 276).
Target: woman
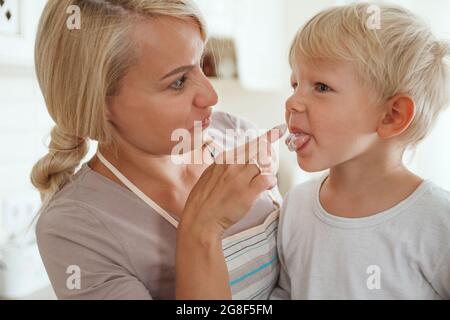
point(123, 225)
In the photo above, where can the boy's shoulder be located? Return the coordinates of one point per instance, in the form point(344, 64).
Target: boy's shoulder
point(426, 217)
point(436, 201)
point(438, 194)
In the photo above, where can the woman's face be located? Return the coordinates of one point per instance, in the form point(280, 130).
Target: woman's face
point(166, 90)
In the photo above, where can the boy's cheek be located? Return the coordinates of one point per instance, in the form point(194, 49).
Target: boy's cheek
point(333, 137)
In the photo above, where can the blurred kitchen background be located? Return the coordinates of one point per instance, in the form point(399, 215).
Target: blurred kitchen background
point(248, 66)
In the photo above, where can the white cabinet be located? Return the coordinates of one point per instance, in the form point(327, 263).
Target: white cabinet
point(18, 24)
point(257, 28)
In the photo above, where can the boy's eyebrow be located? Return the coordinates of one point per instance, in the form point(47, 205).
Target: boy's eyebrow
point(178, 70)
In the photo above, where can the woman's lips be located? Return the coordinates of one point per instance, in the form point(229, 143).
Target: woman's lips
point(202, 123)
point(296, 141)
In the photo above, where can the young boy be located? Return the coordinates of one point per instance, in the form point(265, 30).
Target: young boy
point(363, 93)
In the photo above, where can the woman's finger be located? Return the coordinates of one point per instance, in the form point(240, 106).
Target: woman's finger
point(263, 143)
point(249, 172)
point(261, 183)
point(244, 153)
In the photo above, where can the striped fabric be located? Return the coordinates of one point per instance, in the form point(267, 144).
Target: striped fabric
point(252, 260)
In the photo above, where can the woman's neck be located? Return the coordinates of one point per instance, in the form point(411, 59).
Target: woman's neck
point(146, 170)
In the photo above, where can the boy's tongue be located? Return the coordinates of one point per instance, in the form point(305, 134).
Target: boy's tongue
point(297, 140)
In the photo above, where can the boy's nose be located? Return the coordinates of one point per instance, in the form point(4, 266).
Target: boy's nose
point(295, 104)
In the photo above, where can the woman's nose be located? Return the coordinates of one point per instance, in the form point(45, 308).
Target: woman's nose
point(207, 95)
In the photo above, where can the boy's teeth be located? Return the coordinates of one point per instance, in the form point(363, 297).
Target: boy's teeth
point(296, 141)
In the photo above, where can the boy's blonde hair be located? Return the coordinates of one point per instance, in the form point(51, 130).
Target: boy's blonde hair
point(78, 70)
point(395, 54)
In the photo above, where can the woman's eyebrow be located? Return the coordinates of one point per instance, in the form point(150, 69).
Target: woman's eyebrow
point(177, 70)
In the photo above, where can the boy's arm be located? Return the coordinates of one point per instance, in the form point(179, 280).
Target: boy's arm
point(283, 289)
point(441, 278)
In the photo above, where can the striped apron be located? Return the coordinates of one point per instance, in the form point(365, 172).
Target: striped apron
point(250, 255)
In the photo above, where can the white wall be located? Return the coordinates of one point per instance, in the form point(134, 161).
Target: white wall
point(22, 129)
point(257, 28)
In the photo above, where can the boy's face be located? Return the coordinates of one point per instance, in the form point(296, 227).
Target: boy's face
point(334, 110)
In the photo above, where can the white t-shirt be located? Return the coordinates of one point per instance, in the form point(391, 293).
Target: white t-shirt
point(401, 253)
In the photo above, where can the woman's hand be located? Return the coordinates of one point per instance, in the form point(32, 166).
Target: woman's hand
point(222, 196)
point(226, 190)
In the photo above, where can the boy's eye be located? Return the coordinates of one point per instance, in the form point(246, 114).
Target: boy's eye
point(179, 84)
point(294, 85)
point(321, 87)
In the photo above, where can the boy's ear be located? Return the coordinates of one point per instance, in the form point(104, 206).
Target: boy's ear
point(397, 116)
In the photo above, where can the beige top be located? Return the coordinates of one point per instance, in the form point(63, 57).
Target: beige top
point(122, 247)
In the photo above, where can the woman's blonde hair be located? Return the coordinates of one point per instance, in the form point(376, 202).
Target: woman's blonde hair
point(78, 69)
point(393, 52)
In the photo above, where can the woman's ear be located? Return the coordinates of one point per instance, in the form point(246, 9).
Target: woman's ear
point(397, 116)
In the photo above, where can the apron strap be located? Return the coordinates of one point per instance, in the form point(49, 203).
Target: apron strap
point(136, 190)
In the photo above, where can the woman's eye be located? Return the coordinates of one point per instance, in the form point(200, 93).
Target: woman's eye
point(179, 84)
point(321, 87)
point(294, 85)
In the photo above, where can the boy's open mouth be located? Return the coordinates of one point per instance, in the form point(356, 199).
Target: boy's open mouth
point(297, 139)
